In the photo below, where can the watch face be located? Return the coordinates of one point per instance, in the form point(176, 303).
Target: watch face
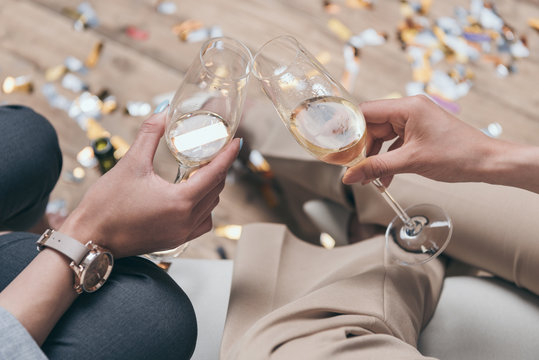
point(97, 272)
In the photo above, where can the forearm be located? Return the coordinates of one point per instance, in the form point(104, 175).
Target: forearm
point(512, 165)
point(40, 294)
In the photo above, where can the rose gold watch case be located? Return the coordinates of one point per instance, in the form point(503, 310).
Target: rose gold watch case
point(94, 269)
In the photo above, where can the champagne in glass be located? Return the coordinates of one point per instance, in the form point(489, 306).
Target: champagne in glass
point(331, 128)
point(326, 121)
point(196, 137)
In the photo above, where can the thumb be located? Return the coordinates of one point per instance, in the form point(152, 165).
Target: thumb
point(147, 140)
point(377, 166)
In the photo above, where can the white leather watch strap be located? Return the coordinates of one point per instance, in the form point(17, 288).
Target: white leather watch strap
point(68, 246)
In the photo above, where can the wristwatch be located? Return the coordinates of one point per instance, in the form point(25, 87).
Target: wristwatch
point(91, 263)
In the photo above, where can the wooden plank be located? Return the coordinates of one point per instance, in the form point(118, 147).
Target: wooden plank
point(384, 69)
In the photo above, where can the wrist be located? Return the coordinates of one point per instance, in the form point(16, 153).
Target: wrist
point(509, 164)
point(90, 263)
point(82, 230)
point(58, 264)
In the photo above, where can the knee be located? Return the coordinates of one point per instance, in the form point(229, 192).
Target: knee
point(34, 137)
point(164, 314)
point(140, 313)
point(30, 164)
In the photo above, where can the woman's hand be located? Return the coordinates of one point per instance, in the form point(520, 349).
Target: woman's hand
point(428, 141)
point(131, 210)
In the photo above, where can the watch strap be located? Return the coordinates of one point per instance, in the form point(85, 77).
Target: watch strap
point(64, 244)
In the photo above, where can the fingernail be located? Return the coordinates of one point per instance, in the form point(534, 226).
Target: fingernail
point(161, 107)
point(241, 143)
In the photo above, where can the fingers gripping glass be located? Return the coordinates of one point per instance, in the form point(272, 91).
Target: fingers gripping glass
point(326, 121)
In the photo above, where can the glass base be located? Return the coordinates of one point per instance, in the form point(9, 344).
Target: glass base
point(417, 246)
point(162, 256)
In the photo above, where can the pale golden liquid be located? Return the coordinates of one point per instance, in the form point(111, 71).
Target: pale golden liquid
point(195, 138)
point(330, 128)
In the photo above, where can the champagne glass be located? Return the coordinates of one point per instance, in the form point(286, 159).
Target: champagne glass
point(205, 112)
point(326, 121)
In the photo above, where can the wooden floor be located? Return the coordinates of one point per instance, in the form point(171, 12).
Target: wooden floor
point(36, 35)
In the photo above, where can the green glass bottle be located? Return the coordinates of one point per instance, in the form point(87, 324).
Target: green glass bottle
point(104, 153)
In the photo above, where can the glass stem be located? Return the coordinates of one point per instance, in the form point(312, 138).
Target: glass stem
point(412, 227)
point(183, 173)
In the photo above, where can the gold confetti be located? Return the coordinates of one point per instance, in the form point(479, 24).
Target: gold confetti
point(425, 6)
point(257, 163)
point(55, 73)
point(165, 265)
point(339, 29)
point(21, 84)
point(109, 105)
point(94, 55)
point(183, 29)
point(440, 34)
point(359, 4)
point(324, 57)
point(327, 241)
point(269, 195)
point(221, 74)
point(422, 74)
point(120, 146)
point(495, 59)
point(330, 7)
point(406, 10)
point(95, 130)
point(71, 13)
point(232, 232)
point(81, 21)
point(534, 23)
point(408, 35)
point(222, 71)
point(393, 95)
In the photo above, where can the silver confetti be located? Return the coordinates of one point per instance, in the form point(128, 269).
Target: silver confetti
point(55, 100)
point(138, 108)
point(89, 14)
point(57, 206)
point(76, 176)
point(166, 7)
point(73, 83)
point(493, 130)
point(75, 65)
point(86, 157)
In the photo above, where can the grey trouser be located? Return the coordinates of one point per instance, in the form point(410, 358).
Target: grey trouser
point(141, 313)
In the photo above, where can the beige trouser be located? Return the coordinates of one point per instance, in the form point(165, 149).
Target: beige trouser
point(294, 300)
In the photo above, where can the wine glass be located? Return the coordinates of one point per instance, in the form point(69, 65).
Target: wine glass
point(325, 120)
point(205, 112)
